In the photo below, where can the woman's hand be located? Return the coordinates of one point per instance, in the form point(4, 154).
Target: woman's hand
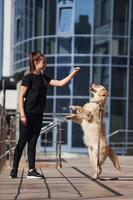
point(75, 71)
point(65, 80)
point(24, 120)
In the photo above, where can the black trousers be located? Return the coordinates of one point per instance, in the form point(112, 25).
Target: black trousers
point(28, 134)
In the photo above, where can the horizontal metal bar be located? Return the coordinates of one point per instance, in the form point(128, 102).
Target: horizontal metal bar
point(7, 152)
point(52, 125)
point(119, 130)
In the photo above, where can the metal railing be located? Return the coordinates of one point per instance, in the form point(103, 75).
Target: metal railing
point(122, 141)
point(8, 126)
point(7, 137)
point(54, 123)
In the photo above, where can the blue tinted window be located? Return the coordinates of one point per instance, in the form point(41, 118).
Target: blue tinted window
point(83, 16)
point(64, 45)
point(65, 22)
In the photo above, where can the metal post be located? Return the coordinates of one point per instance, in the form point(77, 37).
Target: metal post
point(58, 146)
point(4, 91)
point(60, 139)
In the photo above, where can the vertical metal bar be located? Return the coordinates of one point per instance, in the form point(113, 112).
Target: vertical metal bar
point(4, 138)
point(128, 77)
point(57, 131)
point(59, 143)
point(10, 143)
point(3, 88)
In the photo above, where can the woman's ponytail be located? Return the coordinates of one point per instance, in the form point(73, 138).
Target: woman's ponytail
point(31, 62)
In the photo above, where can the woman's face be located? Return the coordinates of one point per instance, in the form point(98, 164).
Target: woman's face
point(40, 63)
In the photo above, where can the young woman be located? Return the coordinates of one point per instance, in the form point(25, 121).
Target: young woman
point(32, 100)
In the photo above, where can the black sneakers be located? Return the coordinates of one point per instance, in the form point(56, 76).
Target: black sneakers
point(13, 173)
point(31, 174)
point(34, 174)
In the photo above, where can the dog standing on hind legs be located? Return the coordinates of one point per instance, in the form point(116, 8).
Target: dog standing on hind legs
point(90, 117)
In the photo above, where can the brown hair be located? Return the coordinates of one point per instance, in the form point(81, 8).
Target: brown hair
point(34, 56)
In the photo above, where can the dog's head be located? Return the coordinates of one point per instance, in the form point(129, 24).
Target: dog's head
point(99, 93)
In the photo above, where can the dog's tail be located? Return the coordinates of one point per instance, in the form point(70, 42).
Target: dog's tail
point(114, 158)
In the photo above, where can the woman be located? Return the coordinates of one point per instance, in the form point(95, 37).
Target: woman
point(32, 99)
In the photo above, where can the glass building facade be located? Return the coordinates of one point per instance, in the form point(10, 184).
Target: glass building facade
point(96, 35)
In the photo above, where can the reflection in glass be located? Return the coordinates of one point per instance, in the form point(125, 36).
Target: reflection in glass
point(77, 136)
point(130, 115)
point(50, 60)
point(131, 46)
point(64, 45)
point(82, 45)
point(131, 61)
point(49, 45)
point(120, 18)
point(131, 83)
point(101, 76)
point(117, 120)
point(130, 110)
point(38, 44)
point(119, 60)
point(65, 20)
point(50, 17)
point(118, 110)
point(63, 59)
point(19, 21)
point(49, 106)
point(29, 18)
point(100, 59)
point(102, 17)
point(119, 46)
point(101, 45)
point(62, 105)
point(61, 73)
point(81, 82)
point(18, 29)
point(38, 18)
point(81, 59)
point(19, 54)
point(84, 16)
point(119, 75)
point(131, 22)
point(27, 47)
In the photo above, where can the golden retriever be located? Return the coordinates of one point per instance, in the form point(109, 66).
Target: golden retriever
point(90, 117)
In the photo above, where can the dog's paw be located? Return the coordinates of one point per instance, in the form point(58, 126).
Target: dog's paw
point(72, 107)
point(68, 117)
point(95, 177)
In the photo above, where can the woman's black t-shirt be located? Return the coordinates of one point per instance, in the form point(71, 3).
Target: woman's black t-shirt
point(35, 98)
